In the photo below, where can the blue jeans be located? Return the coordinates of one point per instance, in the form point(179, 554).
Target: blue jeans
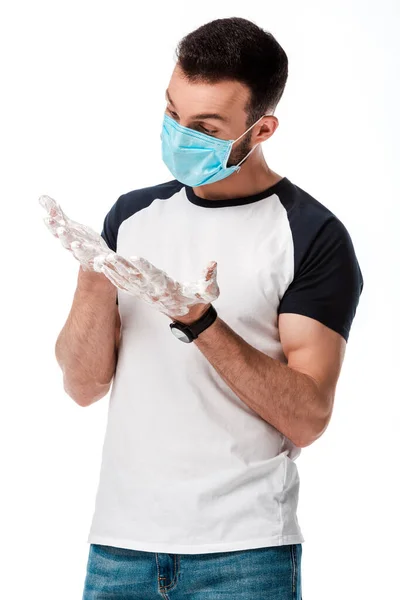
point(271, 573)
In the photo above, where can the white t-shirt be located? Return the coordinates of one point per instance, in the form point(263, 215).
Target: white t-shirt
point(187, 466)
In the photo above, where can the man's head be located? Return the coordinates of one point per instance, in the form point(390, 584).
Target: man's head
point(234, 70)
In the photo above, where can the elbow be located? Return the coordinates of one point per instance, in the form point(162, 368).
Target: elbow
point(309, 435)
point(85, 391)
point(85, 395)
point(304, 442)
point(316, 425)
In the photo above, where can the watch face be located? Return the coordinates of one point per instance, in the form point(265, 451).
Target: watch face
point(181, 335)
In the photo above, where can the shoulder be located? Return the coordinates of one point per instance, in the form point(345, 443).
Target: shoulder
point(303, 209)
point(132, 202)
point(135, 200)
point(313, 225)
point(327, 279)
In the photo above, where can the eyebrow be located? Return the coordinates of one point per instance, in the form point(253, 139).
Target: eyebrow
point(200, 116)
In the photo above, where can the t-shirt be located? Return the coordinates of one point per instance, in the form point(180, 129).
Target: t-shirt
point(187, 466)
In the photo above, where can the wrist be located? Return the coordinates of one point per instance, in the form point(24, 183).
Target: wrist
point(189, 331)
point(195, 313)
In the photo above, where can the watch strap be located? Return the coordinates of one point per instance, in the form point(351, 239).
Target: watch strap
point(193, 330)
point(205, 321)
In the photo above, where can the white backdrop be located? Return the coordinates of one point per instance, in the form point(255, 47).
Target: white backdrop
point(82, 102)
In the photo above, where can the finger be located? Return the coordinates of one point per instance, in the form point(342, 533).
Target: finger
point(52, 224)
point(56, 218)
point(116, 267)
point(116, 279)
point(143, 264)
point(131, 286)
point(144, 267)
point(69, 240)
point(211, 277)
point(124, 261)
point(210, 272)
point(203, 290)
point(65, 238)
point(127, 282)
point(121, 265)
point(84, 252)
point(68, 233)
point(53, 208)
point(153, 273)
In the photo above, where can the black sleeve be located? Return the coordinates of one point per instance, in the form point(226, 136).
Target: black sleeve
point(111, 225)
point(328, 281)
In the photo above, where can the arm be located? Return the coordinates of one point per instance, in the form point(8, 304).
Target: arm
point(296, 398)
point(314, 320)
point(86, 348)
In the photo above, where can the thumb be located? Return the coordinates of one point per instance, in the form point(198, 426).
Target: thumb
point(210, 272)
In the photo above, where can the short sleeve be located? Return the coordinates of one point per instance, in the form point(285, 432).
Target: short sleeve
point(111, 225)
point(328, 282)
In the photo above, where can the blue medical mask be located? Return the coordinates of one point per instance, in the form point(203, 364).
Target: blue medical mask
point(195, 158)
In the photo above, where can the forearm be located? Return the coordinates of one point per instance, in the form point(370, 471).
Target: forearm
point(285, 398)
point(85, 348)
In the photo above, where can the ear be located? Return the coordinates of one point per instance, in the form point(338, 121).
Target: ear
point(265, 128)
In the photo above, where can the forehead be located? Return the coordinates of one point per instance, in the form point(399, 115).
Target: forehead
point(224, 97)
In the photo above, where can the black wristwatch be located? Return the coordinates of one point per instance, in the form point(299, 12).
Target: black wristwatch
point(188, 333)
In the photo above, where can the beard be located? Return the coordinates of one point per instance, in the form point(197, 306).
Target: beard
point(239, 151)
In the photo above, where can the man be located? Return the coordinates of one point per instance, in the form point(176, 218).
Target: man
point(198, 487)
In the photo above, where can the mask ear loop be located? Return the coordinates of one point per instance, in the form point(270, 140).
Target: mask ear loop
point(248, 154)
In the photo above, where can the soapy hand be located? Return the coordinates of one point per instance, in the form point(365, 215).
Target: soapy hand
point(184, 302)
point(84, 243)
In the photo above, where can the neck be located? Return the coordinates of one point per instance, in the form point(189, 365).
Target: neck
point(254, 177)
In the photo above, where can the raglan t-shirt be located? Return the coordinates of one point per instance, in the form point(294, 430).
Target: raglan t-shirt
point(187, 466)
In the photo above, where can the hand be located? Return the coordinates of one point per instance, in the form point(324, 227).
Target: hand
point(138, 277)
point(84, 243)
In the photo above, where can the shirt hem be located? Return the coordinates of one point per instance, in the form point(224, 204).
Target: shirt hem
point(278, 540)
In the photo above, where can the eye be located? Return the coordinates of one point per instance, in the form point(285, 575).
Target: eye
point(208, 131)
point(172, 113)
point(175, 116)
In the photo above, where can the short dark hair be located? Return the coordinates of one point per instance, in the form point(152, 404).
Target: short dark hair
point(237, 49)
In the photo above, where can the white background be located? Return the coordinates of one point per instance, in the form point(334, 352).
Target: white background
point(82, 100)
